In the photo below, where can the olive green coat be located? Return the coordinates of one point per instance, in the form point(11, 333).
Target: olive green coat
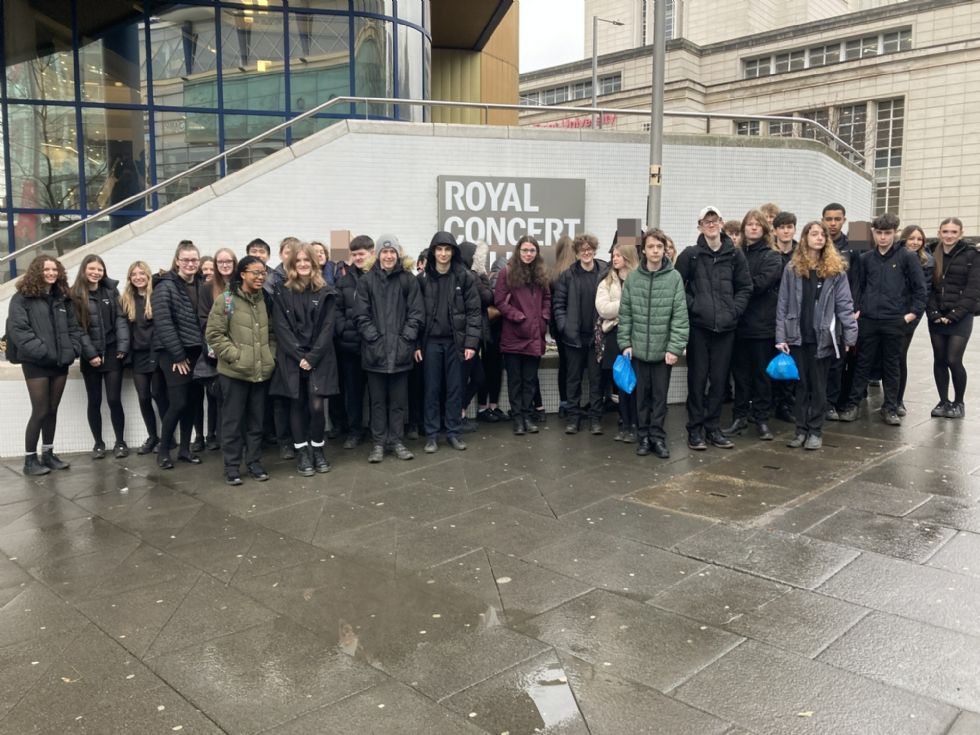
point(243, 341)
point(653, 313)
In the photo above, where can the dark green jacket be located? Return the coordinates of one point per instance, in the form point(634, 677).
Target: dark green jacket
point(653, 313)
point(243, 341)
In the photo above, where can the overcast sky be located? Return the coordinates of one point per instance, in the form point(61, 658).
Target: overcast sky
point(551, 31)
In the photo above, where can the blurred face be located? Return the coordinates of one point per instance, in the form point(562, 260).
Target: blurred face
point(770, 218)
point(528, 252)
point(617, 260)
point(303, 264)
point(653, 250)
point(139, 278)
point(753, 230)
point(388, 258)
point(586, 254)
point(949, 234)
point(259, 252)
point(359, 257)
point(670, 251)
point(93, 273)
point(285, 253)
point(444, 254)
point(207, 270)
point(883, 238)
point(50, 271)
point(815, 239)
point(834, 219)
point(321, 255)
point(785, 233)
point(915, 241)
point(225, 263)
point(188, 262)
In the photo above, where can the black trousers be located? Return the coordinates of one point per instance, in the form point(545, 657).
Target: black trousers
point(388, 394)
point(652, 382)
point(811, 389)
point(182, 396)
point(352, 375)
point(709, 355)
point(442, 368)
point(840, 380)
point(879, 338)
point(581, 361)
point(753, 390)
point(242, 419)
point(522, 380)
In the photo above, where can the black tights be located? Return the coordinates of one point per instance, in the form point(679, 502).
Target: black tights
point(113, 392)
point(149, 388)
point(212, 407)
point(45, 396)
point(182, 399)
point(306, 418)
point(947, 360)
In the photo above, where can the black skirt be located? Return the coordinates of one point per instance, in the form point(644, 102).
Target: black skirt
point(144, 361)
point(962, 328)
point(110, 364)
point(610, 349)
point(32, 370)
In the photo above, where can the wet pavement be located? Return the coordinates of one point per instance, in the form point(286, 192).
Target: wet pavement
point(541, 584)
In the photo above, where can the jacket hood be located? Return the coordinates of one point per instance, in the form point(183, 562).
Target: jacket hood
point(727, 244)
point(666, 265)
point(442, 238)
point(467, 252)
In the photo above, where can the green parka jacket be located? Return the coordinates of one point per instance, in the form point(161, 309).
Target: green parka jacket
point(653, 313)
point(243, 339)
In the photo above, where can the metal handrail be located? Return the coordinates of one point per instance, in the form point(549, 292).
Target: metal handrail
point(484, 106)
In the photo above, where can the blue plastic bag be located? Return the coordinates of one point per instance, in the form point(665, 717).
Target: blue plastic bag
point(623, 374)
point(783, 367)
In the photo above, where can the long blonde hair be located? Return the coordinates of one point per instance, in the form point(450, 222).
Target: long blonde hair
point(632, 260)
point(830, 262)
point(294, 282)
point(128, 298)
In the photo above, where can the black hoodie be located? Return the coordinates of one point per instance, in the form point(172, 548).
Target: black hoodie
point(452, 300)
point(718, 284)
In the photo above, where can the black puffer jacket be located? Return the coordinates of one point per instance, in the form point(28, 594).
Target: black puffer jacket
point(853, 259)
point(958, 291)
point(758, 321)
point(176, 325)
point(44, 329)
point(465, 317)
point(304, 327)
point(573, 304)
point(891, 285)
point(348, 338)
point(113, 334)
point(718, 284)
point(388, 314)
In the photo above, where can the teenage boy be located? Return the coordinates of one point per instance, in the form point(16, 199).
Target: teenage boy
point(260, 249)
point(718, 286)
point(573, 307)
point(770, 210)
point(841, 375)
point(449, 337)
point(388, 313)
point(348, 339)
point(893, 295)
point(783, 391)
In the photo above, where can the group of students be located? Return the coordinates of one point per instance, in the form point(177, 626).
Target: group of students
point(269, 347)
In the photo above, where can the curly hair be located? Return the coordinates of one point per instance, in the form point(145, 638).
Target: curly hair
point(532, 274)
point(127, 300)
point(830, 262)
point(32, 283)
point(294, 281)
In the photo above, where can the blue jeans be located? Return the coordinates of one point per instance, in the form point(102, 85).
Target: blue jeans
point(442, 367)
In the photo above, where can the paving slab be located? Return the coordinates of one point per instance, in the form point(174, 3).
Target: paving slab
point(966, 724)
point(908, 539)
point(793, 469)
point(504, 529)
point(783, 557)
point(423, 502)
point(875, 498)
point(923, 479)
point(950, 512)
point(648, 524)
point(922, 658)
point(807, 697)
point(38, 547)
point(630, 639)
point(961, 555)
point(922, 593)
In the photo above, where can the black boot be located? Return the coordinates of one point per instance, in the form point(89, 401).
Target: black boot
point(304, 461)
point(320, 463)
point(519, 426)
point(52, 461)
point(530, 425)
point(33, 466)
point(739, 424)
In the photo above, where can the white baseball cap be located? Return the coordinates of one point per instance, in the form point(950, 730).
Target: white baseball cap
point(709, 210)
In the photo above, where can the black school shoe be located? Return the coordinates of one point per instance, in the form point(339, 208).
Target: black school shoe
point(695, 441)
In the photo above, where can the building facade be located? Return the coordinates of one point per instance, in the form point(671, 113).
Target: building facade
point(900, 82)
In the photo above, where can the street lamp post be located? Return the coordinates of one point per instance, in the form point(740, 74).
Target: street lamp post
point(595, 62)
point(657, 113)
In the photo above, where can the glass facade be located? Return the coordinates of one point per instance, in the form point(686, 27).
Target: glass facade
point(91, 118)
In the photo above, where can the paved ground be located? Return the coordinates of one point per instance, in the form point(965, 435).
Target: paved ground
point(546, 584)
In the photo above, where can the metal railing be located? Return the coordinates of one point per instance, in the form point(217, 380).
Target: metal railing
point(485, 107)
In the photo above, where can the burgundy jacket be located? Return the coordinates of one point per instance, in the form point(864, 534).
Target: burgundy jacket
point(525, 312)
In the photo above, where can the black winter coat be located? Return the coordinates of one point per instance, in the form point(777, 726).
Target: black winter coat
point(465, 313)
point(853, 259)
point(758, 321)
point(101, 337)
point(176, 325)
point(388, 314)
point(45, 329)
point(348, 338)
point(576, 286)
point(718, 284)
point(958, 293)
point(891, 285)
point(290, 309)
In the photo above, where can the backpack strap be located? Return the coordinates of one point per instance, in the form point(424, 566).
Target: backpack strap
point(229, 305)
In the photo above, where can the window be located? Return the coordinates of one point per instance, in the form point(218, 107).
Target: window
point(757, 67)
point(861, 48)
point(792, 61)
point(554, 96)
point(822, 55)
point(610, 84)
point(852, 125)
point(581, 90)
point(670, 26)
point(529, 98)
point(818, 116)
point(889, 134)
point(896, 41)
point(747, 127)
point(781, 129)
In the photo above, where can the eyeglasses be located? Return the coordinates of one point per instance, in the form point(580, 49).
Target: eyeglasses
point(257, 274)
point(525, 251)
point(225, 262)
point(188, 261)
point(710, 222)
